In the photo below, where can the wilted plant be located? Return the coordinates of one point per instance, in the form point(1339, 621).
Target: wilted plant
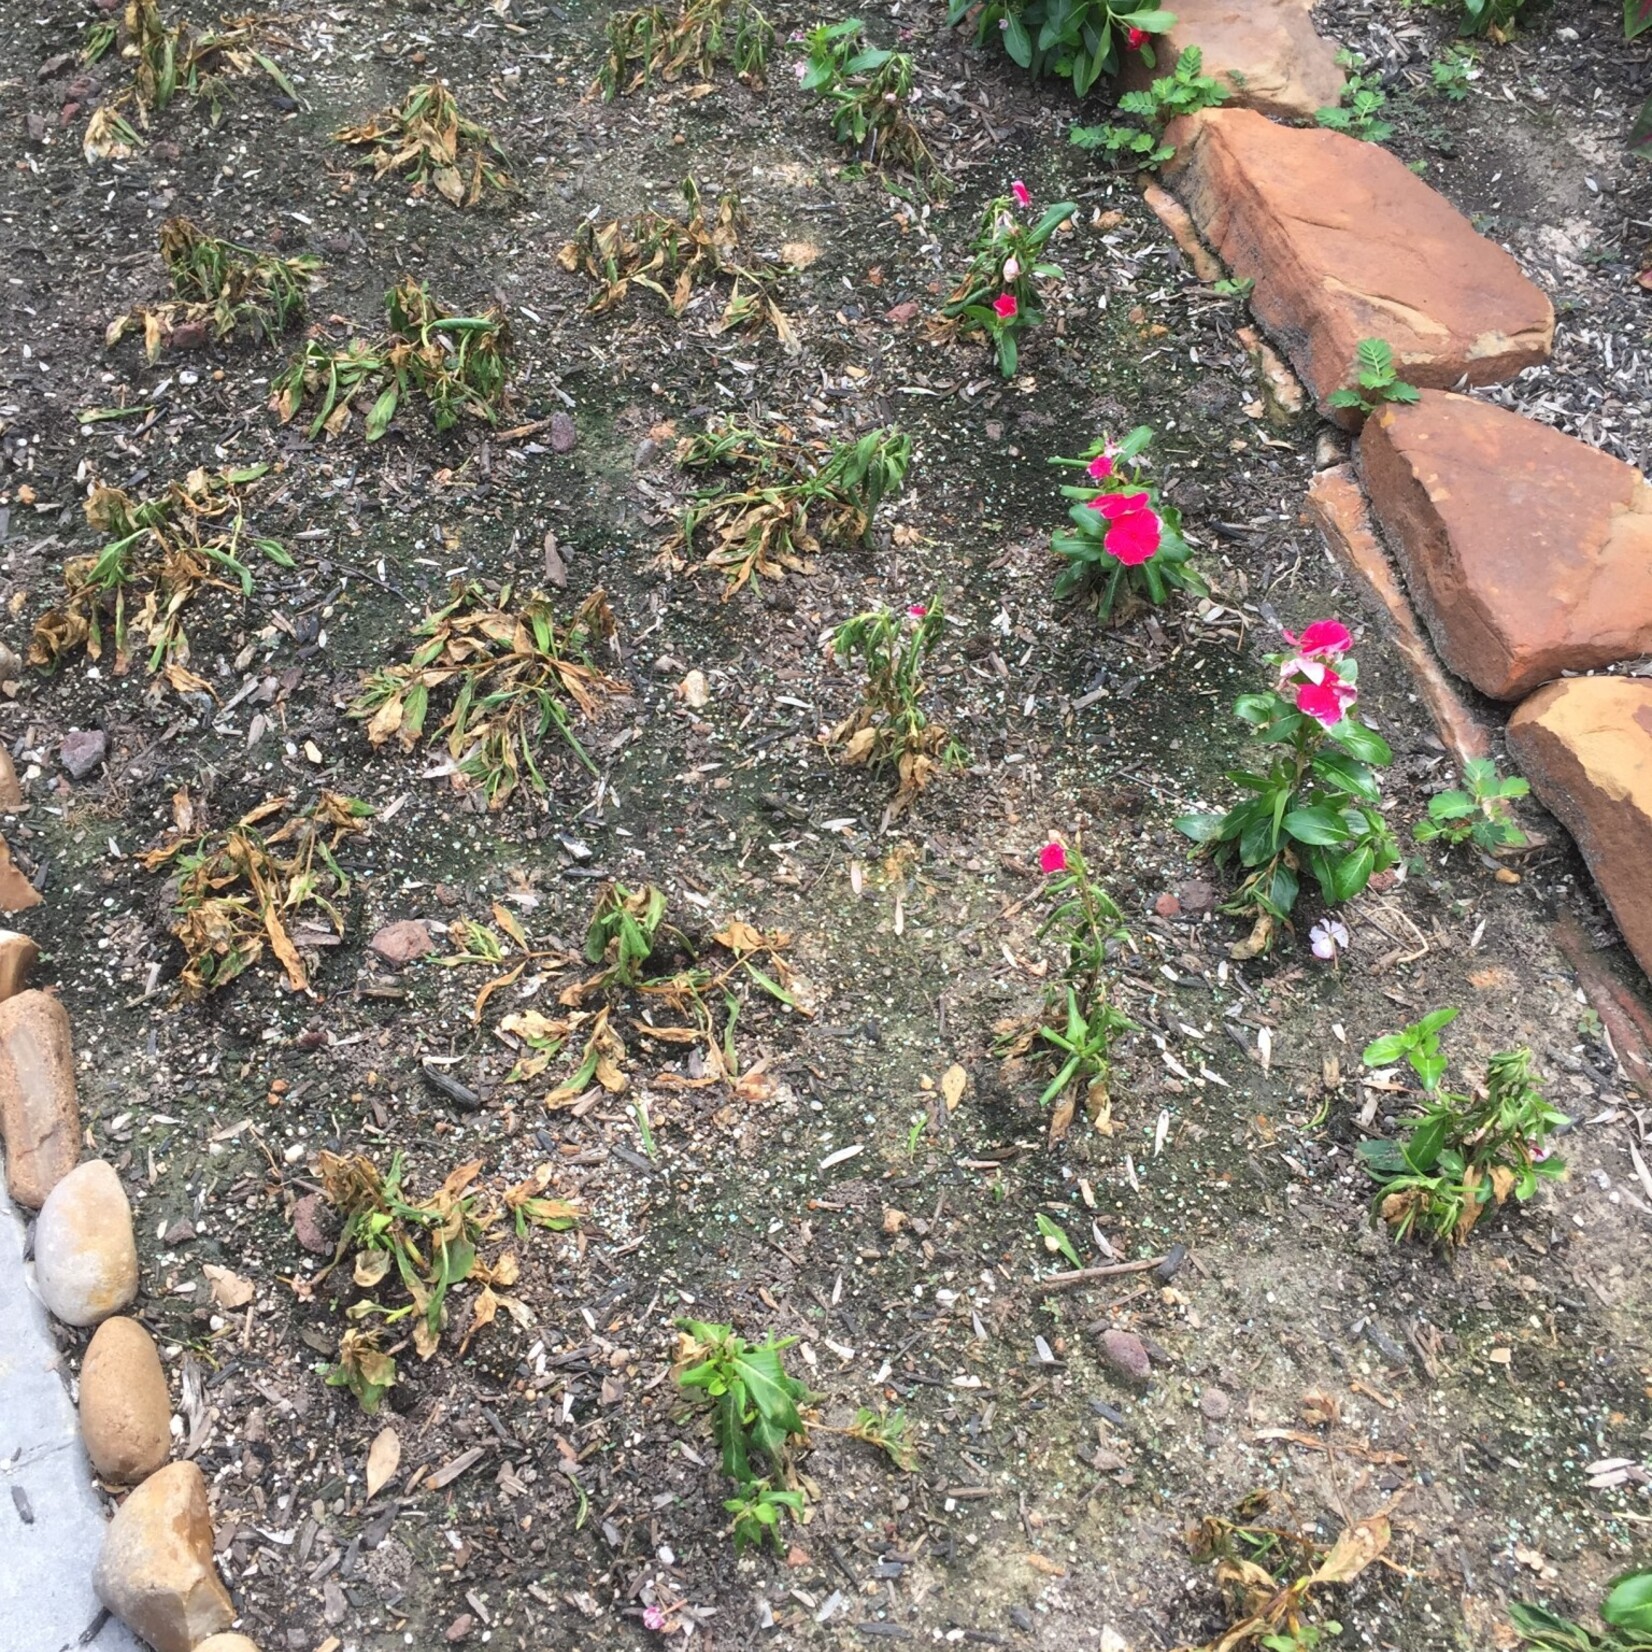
point(1124, 540)
point(868, 92)
point(234, 288)
point(655, 249)
point(430, 1245)
point(1466, 1151)
point(1375, 380)
point(1626, 1611)
point(460, 365)
point(889, 725)
point(428, 140)
point(1184, 91)
point(792, 501)
point(1317, 808)
point(1269, 1575)
point(887, 1430)
point(1079, 40)
point(167, 59)
point(161, 552)
point(1479, 813)
point(754, 1414)
point(516, 673)
point(998, 296)
point(623, 933)
point(253, 886)
point(652, 41)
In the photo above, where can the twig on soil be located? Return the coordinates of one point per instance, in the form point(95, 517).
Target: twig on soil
point(1110, 1270)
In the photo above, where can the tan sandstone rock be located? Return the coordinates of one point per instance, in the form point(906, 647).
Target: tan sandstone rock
point(1344, 243)
point(1527, 552)
point(226, 1643)
point(125, 1410)
point(156, 1572)
point(1267, 54)
point(85, 1260)
point(39, 1112)
point(18, 956)
point(11, 788)
point(1586, 746)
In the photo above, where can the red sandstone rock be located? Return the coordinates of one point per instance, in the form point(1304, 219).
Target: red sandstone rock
point(1528, 553)
point(1586, 746)
point(403, 942)
point(1265, 52)
point(1344, 243)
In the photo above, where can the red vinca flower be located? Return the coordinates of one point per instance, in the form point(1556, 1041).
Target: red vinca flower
point(1135, 38)
point(1134, 535)
point(1100, 468)
point(1325, 638)
point(1326, 698)
point(1052, 859)
point(1023, 195)
point(1005, 306)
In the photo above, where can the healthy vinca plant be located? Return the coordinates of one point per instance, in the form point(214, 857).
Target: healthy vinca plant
point(1315, 809)
point(1078, 40)
point(998, 296)
point(1124, 540)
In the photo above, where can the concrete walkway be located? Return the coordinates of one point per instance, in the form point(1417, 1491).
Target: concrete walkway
point(51, 1519)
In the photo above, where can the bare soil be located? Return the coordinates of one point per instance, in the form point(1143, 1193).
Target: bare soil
point(1051, 1498)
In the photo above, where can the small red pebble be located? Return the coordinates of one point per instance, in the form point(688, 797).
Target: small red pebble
point(1167, 906)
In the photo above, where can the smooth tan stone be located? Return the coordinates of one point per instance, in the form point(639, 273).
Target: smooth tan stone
point(39, 1110)
point(156, 1572)
point(226, 1643)
point(1344, 243)
point(18, 956)
point(125, 1409)
point(1585, 745)
point(85, 1259)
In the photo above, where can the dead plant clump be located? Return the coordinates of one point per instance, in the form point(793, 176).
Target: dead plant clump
point(168, 58)
point(161, 553)
point(655, 249)
point(429, 1246)
point(787, 498)
point(429, 141)
point(460, 365)
point(650, 42)
point(246, 888)
point(516, 673)
point(221, 285)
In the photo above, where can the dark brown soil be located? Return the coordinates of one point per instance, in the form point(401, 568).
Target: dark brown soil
point(1051, 1499)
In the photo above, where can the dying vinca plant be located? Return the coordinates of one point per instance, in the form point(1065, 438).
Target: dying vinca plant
point(998, 297)
point(1316, 808)
point(1125, 542)
point(889, 727)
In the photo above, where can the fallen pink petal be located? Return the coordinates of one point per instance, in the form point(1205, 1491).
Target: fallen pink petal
point(1023, 195)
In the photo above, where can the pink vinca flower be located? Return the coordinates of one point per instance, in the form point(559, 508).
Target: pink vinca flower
point(1052, 859)
point(1023, 195)
point(1012, 268)
point(1325, 696)
point(653, 1618)
point(917, 610)
point(1134, 535)
point(1004, 306)
point(1326, 639)
point(1100, 467)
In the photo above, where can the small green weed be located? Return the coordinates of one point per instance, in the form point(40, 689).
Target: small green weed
point(1454, 70)
point(1184, 91)
point(651, 41)
point(1360, 113)
point(1465, 1152)
point(1626, 1610)
point(1376, 380)
point(1494, 18)
point(1479, 813)
point(888, 1431)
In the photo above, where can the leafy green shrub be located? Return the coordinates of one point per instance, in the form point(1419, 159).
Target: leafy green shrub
point(1184, 91)
point(1078, 40)
point(1465, 1152)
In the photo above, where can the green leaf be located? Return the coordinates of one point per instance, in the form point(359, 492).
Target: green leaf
point(1317, 824)
point(383, 411)
point(1352, 873)
point(769, 1387)
point(1017, 42)
point(1161, 22)
point(1628, 1604)
point(1054, 1230)
point(1201, 828)
point(1436, 1019)
point(1422, 1149)
point(1362, 742)
point(1382, 1159)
